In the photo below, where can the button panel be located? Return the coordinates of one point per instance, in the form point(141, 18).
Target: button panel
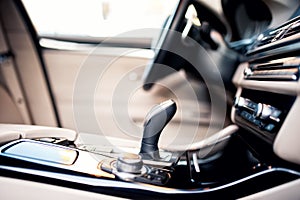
point(257, 113)
point(258, 116)
point(262, 112)
point(145, 174)
point(154, 176)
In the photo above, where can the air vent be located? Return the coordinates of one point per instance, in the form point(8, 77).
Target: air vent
point(286, 33)
point(287, 70)
point(267, 38)
point(292, 30)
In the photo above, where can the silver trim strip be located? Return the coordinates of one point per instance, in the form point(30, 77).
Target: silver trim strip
point(291, 77)
point(97, 49)
point(195, 161)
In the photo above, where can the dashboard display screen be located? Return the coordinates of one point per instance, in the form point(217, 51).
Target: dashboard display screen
point(34, 151)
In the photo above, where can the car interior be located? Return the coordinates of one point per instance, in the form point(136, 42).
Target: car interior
point(207, 108)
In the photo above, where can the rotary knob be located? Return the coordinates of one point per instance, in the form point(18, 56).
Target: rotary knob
point(129, 163)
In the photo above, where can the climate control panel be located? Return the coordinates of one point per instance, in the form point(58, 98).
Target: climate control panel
point(261, 114)
point(264, 116)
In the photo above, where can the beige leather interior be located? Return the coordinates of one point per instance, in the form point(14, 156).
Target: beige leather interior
point(10, 132)
point(12, 103)
point(16, 189)
point(28, 66)
point(9, 111)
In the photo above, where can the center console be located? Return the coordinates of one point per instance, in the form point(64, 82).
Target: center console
point(63, 162)
point(124, 166)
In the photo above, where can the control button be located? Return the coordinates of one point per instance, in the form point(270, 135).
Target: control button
point(269, 127)
point(249, 117)
point(256, 122)
point(239, 102)
point(266, 111)
point(245, 103)
point(276, 113)
point(246, 115)
point(269, 112)
point(252, 105)
point(130, 163)
point(154, 176)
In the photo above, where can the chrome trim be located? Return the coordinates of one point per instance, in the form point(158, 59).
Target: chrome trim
point(276, 119)
point(195, 161)
point(87, 48)
point(291, 77)
point(284, 69)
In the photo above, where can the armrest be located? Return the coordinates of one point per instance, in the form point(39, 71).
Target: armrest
point(9, 132)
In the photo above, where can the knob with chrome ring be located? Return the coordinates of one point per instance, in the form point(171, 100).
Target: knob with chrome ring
point(129, 163)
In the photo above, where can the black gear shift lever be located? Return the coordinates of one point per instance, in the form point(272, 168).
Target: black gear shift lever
point(158, 117)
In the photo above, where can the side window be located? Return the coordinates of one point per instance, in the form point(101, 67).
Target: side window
point(97, 18)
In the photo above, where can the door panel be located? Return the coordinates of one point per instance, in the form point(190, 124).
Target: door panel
point(63, 68)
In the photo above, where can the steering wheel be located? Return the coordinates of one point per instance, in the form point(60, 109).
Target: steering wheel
point(182, 21)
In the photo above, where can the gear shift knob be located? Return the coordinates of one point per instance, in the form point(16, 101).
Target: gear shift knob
point(158, 117)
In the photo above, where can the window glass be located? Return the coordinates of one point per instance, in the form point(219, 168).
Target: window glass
point(96, 18)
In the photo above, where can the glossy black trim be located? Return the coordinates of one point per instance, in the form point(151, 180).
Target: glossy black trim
point(254, 183)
